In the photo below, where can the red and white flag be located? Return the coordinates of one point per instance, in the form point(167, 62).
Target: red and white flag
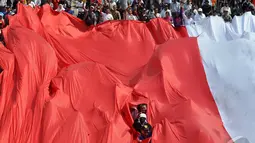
point(63, 82)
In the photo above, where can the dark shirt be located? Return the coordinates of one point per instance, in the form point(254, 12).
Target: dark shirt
point(207, 9)
point(143, 137)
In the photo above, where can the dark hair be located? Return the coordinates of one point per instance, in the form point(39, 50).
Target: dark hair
point(139, 107)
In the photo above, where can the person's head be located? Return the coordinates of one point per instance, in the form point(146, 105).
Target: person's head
point(189, 15)
point(167, 13)
point(156, 10)
point(226, 4)
point(91, 8)
point(166, 7)
point(142, 108)
point(114, 7)
point(200, 11)
point(145, 130)
point(142, 118)
point(130, 11)
point(135, 8)
point(225, 11)
point(60, 6)
point(8, 9)
point(174, 1)
point(108, 11)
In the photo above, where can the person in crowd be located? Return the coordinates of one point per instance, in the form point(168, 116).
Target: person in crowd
point(32, 4)
point(175, 6)
point(60, 8)
point(248, 6)
point(226, 6)
point(142, 108)
point(139, 122)
point(168, 18)
point(129, 15)
point(163, 12)
point(116, 13)
point(188, 6)
point(188, 20)
point(144, 17)
point(37, 2)
point(134, 112)
point(167, 2)
point(112, 4)
point(90, 16)
point(237, 9)
point(177, 19)
point(156, 13)
point(207, 8)
point(226, 16)
point(69, 10)
point(151, 13)
point(146, 132)
point(8, 13)
point(200, 15)
point(55, 4)
point(2, 23)
point(135, 11)
point(107, 15)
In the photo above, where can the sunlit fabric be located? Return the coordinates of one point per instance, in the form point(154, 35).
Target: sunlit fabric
point(63, 82)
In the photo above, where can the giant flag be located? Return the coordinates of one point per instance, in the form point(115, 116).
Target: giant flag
point(63, 82)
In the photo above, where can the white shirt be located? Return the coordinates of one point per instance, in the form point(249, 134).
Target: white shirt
point(158, 15)
point(163, 13)
point(131, 17)
point(199, 17)
point(112, 4)
point(167, 1)
point(37, 2)
point(175, 7)
point(107, 17)
point(228, 8)
point(189, 21)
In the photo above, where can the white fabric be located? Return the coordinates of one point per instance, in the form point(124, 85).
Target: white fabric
point(188, 21)
point(199, 17)
point(216, 29)
point(228, 55)
point(230, 72)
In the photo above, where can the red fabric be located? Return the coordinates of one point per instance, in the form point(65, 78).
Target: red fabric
point(63, 85)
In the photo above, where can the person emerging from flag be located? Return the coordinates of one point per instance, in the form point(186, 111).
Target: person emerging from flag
point(146, 132)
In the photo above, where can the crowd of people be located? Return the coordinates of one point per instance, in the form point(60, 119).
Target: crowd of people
point(176, 12)
point(141, 125)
